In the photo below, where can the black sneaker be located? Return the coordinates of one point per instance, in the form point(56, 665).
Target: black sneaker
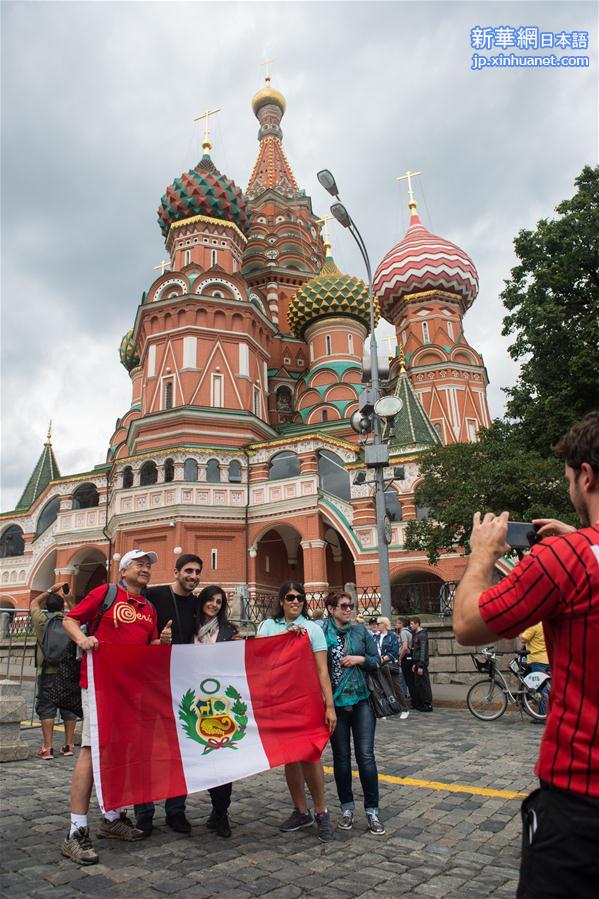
point(146, 825)
point(323, 825)
point(179, 823)
point(212, 820)
point(222, 826)
point(297, 820)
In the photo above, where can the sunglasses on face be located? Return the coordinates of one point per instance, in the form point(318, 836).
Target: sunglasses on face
point(294, 597)
point(345, 606)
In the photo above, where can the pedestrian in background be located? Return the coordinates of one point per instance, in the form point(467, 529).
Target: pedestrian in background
point(388, 647)
point(405, 655)
point(422, 697)
point(538, 660)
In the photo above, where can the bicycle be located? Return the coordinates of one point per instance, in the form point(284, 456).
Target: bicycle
point(487, 699)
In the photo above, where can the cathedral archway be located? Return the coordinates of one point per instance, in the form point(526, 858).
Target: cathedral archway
point(416, 591)
point(90, 570)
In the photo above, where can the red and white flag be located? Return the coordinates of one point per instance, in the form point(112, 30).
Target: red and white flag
point(170, 720)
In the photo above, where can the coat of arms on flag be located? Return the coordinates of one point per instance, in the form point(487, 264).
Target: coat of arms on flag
point(214, 719)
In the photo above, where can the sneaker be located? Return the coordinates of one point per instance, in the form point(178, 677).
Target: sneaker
point(374, 825)
point(297, 820)
point(178, 823)
point(223, 828)
point(67, 749)
point(146, 825)
point(121, 829)
point(212, 820)
point(323, 825)
point(403, 715)
point(346, 821)
point(45, 753)
point(79, 848)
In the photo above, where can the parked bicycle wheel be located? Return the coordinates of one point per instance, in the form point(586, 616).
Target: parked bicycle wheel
point(486, 700)
point(535, 704)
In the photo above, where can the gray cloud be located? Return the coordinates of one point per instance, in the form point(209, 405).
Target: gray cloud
point(98, 101)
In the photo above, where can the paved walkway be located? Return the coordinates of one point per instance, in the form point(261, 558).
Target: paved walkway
point(446, 837)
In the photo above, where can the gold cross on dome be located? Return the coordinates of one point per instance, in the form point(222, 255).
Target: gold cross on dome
point(391, 341)
point(206, 145)
point(325, 221)
point(267, 64)
point(162, 266)
point(409, 175)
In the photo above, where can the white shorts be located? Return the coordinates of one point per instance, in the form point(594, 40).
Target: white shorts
point(85, 731)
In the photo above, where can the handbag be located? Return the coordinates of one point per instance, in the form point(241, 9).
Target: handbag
point(383, 700)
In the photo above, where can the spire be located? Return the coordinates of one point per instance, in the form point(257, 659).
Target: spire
point(271, 170)
point(45, 471)
point(411, 427)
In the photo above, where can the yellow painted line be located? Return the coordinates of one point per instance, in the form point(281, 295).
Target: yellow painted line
point(37, 724)
point(448, 788)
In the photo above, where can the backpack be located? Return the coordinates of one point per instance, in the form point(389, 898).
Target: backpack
point(107, 603)
point(55, 640)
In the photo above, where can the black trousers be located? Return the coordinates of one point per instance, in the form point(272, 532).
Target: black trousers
point(560, 846)
point(422, 697)
point(221, 798)
point(406, 667)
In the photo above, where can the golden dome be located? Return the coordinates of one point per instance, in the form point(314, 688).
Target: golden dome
point(268, 95)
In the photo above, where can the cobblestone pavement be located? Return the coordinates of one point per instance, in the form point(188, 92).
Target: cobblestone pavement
point(455, 845)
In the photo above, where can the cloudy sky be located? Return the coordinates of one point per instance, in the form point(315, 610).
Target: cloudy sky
point(98, 102)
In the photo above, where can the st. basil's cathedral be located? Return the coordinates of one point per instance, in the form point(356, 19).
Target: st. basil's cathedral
point(245, 358)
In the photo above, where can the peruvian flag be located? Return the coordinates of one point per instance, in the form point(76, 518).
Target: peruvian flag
point(169, 720)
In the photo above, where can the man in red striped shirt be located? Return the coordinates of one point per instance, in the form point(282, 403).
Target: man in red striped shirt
point(556, 583)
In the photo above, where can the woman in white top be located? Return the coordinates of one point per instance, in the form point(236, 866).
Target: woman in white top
point(291, 613)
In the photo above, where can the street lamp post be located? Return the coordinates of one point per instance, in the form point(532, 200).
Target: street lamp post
point(376, 453)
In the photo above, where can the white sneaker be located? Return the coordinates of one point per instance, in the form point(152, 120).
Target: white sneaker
point(404, 715)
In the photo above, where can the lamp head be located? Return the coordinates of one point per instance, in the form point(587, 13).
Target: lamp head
point(327, 180)
point(341, 214)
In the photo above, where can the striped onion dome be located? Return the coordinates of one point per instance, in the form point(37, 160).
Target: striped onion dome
point(128, 352)
point(422, 261)
point(330, 293)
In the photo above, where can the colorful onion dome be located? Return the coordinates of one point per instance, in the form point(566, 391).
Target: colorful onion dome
point(422, 261)
point(128, 352)
point(330, 293)
point(203, 191)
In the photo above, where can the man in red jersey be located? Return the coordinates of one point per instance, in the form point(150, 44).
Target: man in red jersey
point(130, 619)
point(556, 583)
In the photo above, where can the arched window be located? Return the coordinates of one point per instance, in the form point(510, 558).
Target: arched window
point(333, 476)
point(86, 497)
point(148, 474)
point(48, 515)
point(283, 465)
point(284, 399)
point(168, 394)
point(392, 504)
point(169, 470)
point(213, 471)
point(235, 472)
point(12, 542)
point(127, 477)
point(190, 470)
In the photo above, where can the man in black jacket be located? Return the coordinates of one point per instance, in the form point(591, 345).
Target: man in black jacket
point(176, 608)
point(422, 700)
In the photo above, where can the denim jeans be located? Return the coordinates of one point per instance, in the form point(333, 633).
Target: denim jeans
point(359, 721)
point(541, 666)
point(173, 806)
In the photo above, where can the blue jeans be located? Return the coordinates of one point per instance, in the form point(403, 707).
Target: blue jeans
point(173, 806)
point(361, 722)
point(541, 666)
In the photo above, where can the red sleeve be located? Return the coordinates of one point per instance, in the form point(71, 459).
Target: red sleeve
point(88, 609)
point(526, 596)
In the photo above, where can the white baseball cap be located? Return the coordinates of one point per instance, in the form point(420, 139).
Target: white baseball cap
point(136, 554)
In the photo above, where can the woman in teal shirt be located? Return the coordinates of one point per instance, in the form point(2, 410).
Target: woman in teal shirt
point(291, 613)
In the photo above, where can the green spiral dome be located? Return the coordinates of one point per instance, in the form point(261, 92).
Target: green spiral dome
point(128, 352)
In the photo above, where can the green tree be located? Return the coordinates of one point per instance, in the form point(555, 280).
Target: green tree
point(498, 473)
point(552, 300)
